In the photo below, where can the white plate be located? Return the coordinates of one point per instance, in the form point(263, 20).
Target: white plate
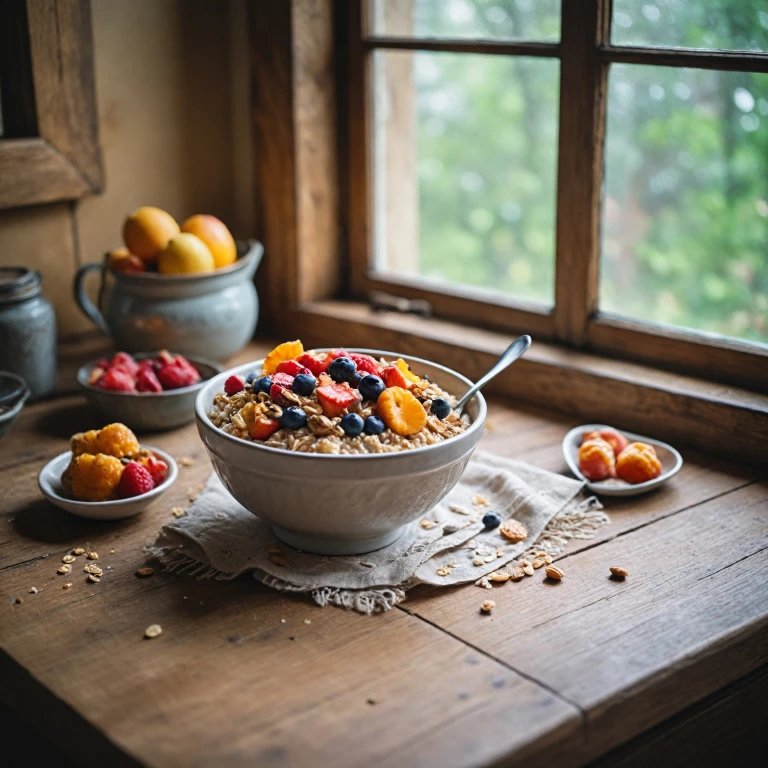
point(49, 481)
point(670, 459)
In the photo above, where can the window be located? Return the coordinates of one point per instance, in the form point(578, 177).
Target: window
point(594, 173)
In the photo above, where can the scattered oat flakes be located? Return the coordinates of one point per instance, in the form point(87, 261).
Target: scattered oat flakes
point(428, 524)
point(478, 561)
point(153, 630)
point(111, 551)
point(367, 565)
point(547, 559)
point(538, 562)
point(178, 511)
point(194, 491)
point(489, 558)
point(513, 530)
point(484, 583)
point(92, 555)
point(273, 549)
point(68, 585)
point(525, 562)
point(19, 600)
point(479, 500)
point(33, 591)
point(457, 509)
point(516, 573)
point(500, 552)
point(144, 572)
point(78, 551)
point(282, 621)
point(307, 621)
point(553, 572)
point(501, 576)
point(93, 578)
point(277, 560)
point(443, 571)
point(541, 554)
point(68, 559)
point(94, 569)
point(186, 461)
point(618, 572)
point(528, 570)
point(64, 569)
point(488, 606)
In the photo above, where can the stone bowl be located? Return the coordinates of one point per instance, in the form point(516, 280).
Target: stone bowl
point(13, 394)
point(340, 504)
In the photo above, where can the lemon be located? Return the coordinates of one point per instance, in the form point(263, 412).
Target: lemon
point(185, 254)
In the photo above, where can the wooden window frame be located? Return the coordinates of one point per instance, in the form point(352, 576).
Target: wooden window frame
point(585, 54)
point(50, 148)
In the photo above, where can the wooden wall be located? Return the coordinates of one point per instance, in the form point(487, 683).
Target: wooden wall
point(172, 90)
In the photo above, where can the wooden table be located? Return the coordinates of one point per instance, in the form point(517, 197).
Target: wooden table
point(668, 663)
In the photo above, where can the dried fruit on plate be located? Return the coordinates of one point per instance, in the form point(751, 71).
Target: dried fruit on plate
point(638, 463)
point(92, 477)
point(114, 440)
point(597, 460)
point(615, 439)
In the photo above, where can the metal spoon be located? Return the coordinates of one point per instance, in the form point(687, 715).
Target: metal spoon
point(514, 351)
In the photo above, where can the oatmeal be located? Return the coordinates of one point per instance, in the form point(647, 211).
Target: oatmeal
point(336, 403)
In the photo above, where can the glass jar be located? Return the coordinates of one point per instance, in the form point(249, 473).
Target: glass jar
point(27, 330)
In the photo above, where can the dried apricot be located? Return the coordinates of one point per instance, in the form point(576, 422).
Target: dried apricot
point(638, 463)
point(615, 439)
point(114, 440)
point(288, 350)
point(597, 460)
point(92, 477)
point(401, 411)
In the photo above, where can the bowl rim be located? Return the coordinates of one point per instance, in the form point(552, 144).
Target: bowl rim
point(476, 425)
point(84, 370)
point(19, 396)
point(173, 471)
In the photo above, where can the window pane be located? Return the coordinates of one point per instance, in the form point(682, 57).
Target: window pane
point(465, 170)
point(685, 209)
point(481, 19)
point(708, 24)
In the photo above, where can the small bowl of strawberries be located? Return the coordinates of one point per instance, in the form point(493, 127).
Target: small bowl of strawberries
point(149, 391)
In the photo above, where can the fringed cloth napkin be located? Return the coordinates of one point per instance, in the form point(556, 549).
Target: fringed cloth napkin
point(218, 538)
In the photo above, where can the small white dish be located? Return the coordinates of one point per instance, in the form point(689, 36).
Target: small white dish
point(49, 481)
point(670, 459)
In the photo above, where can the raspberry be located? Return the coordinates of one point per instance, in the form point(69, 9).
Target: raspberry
point(157, 468)
point(315, 362)
point(366, 363)
point(292, 368)
point(337, 398)
point(280, 382)
point(117, 380)
point(135, 481)
point(177, 373)
point(125, 361)
point(147, 381)
point(234, 384)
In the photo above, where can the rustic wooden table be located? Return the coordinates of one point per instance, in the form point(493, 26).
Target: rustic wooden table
point(558, 674)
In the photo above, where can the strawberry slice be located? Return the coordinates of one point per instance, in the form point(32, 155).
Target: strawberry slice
point(292, 368)
point(394, 377)
point(365, 363)
point(280, 382)
point(337, 398)
point(315, 362)
point(262, 428)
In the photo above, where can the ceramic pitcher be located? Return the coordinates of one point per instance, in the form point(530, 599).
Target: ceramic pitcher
point(210, 315)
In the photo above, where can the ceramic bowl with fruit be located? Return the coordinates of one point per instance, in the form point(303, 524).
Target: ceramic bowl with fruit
point(107, 474)
point(148, 392)
point(185, 286)
point(338, 449)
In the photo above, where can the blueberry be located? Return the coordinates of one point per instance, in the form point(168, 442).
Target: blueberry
point(263, 384)
point(370, 387)
point(304, 384)
point(440, 407)
point(491, 520)
point(293, 418)
point(374, 426)
point(252, 376)
point(354, 382)
point(342, 369)
point(352, 424)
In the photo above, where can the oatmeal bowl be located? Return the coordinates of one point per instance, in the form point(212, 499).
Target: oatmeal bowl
point(338, 450)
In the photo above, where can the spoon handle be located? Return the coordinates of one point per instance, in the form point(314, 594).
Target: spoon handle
point(515, 350)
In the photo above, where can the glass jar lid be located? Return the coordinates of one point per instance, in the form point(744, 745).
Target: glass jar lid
point(18, 283)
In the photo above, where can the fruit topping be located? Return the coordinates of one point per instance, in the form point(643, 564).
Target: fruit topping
point(315, 362)
point(370, 387)
point(352, 424)
point(342, 369)
point(113, 440)
point(146, 379)
point(135, 481)
point(125, 361)
point(374, 426)
point(336, 399)
point(491, 520)
point(92, 477)
point(233, 385)
point(616, 440)
point(596, 460)
point(288, 350)
point(405, 369)
point(440, 407)
point(401, 411)
point(354, 382)
point(157, 468)
point(365, 363)
point(392, 376)
point(292, 368)
point(263, 384)
point(638, 463)
point(117, 380)
point(262, 428)
point(280, 382)
point(304, 384)
point(293, 418)
point(252, 376)
point(177, 372)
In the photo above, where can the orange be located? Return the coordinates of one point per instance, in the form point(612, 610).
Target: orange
point(215, 235)
point(288, 350)
point(401, 411)
point(638, 463)
point(147, 231)
point(405, 369)
point(185, 254)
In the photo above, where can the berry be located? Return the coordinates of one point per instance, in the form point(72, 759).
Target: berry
point(374, 426)
point(135, 481)
point(293, 418)
point(286, 351)
point(304, 384)
point(263, 384)
point(117, 380)
point(401, 411)
point(342, 369)
point(147, 381)
point(233, 385)
point(263, 428)
point(337, 398)
point(292, 368)
point(315, 362)
point(157, 468)
point(491, 520)
point(440, 407)
point(370, 387)
point(365, 363)
point(176, 372)
point(392, 376)
point(280, 382)
point(125, 361)
point(252, 376)
point(352, 424)
point(354, 382)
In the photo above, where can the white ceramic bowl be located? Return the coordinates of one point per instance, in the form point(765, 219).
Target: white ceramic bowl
point(670, 459)
point(49, 481)
point(338, 504)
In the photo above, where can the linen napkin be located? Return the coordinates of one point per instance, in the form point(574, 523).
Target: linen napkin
point(219, 538)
